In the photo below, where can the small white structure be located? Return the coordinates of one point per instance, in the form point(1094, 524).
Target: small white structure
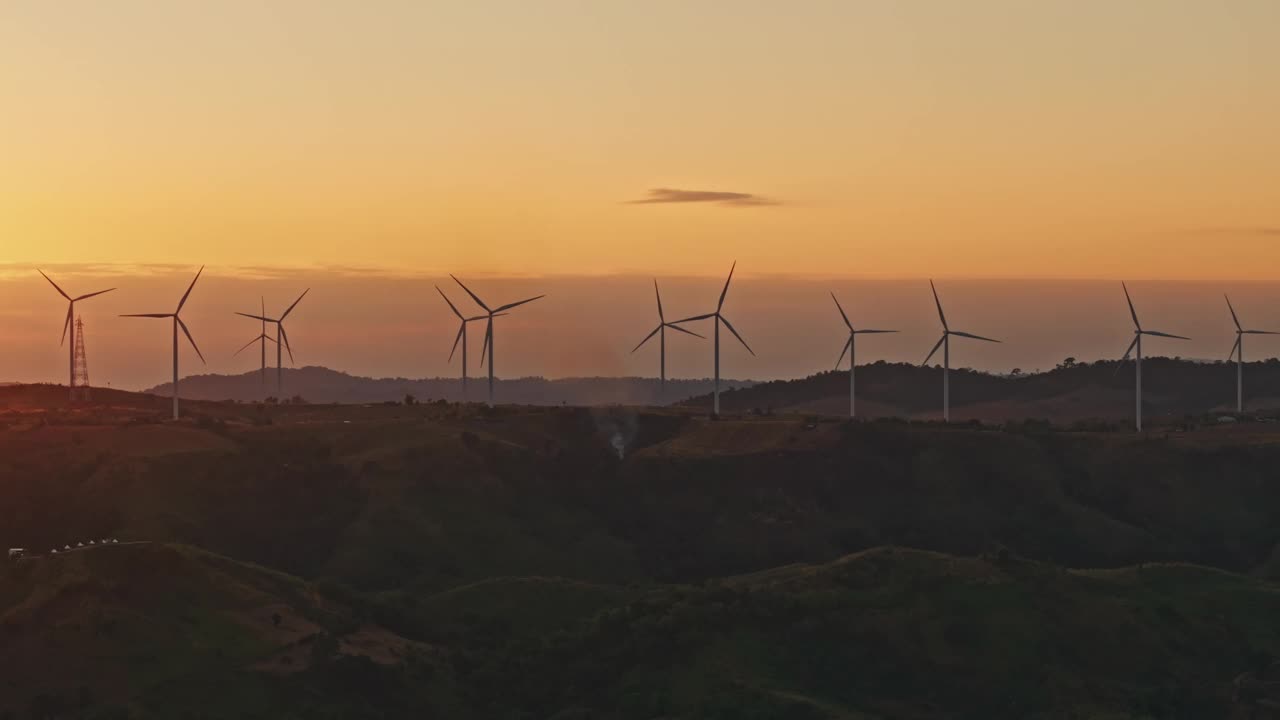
point(17, 553)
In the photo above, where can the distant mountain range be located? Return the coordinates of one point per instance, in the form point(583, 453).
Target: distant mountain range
point(322, 385)
point(1073, 392)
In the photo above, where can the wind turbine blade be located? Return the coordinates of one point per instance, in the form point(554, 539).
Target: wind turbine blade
point(846, 317)
point(100, 292)
point(263, 318)
point(864, 332)
point(1129, 352)
point(938, 302)
point(473, 295)
point(54, 284)
point(66, 324)
point(183, 301)
point(646, 339)
point(694, 318)
point(457, 339)
point(246, 346)
point(725, 291)
point(508, 306)
point(972, 336)
point(150, 315)
point(1233, 312)
point(268, 338)
point(934, 350)
point(1132, 312)
point(840, 359)
point(295, 303)
point(1161, 334)
point(190, 339)
point(284, 336)
point(1259, 332)
point(1234, 347)
point(725, 320)
point(677, 328)
point(658, 295)
point(450, 302)
point(488, 331)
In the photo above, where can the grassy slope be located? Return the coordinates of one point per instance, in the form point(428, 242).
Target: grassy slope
point(909, 634)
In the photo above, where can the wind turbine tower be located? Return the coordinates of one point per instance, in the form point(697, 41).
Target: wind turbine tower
point(460, 337)
point(1135, 348)
point(177, 323)
point(1238, 351)
point(661, 332)
point(718, 319)
point(262, 339)
point(490, 314)
point(281, 341)
point(851, 347)
point(945, 343)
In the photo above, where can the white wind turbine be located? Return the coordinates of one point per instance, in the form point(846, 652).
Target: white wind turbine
point(945, 343)
point(177, 323)
point(262, 340)
point(460, 337)
point(282, 339)
point(488, 330)
point(851, 347)
point(719, 318)
point(1238, 351)
point(71, 309)
point(1138, 332)
point(661, 332)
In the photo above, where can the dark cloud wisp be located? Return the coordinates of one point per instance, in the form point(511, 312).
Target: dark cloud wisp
point(660, 196)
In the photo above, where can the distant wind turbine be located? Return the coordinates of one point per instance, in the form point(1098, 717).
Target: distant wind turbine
point(71, 308)
point(720, 318)
point(492, 313)
point(661, 332)
point(177, 323)
point(1238, 351)
point(1138, 332)
point(460, 337)
point(282, 339)
point(851, 347)
point(945, 343)
point(262, 340)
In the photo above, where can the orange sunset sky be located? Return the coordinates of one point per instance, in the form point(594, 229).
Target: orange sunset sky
point(817, 143)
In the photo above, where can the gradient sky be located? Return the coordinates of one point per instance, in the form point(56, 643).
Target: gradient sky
point(996, 139)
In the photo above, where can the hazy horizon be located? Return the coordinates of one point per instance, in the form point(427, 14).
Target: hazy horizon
point(388, 325)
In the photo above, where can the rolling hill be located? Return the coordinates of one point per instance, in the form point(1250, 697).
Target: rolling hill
point(452, 560)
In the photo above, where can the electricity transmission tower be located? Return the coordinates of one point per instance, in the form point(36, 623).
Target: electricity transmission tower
point(79, 365)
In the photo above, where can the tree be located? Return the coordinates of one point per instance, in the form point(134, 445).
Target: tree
point(409, 399)
point(1067, 364)
point(1016, 372)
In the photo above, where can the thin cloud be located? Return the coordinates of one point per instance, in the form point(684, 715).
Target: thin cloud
point(659, 196)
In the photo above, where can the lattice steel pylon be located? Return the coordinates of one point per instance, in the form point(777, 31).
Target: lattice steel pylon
point(80, 365)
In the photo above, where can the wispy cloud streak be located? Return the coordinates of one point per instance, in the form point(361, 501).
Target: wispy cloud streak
point(661, 196)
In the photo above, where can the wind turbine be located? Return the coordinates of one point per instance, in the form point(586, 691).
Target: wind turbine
point(661, 332)
point(71, 309)
point(460, 337)
point(177, 323)
point(851, 347)
point(719, 318)
point(1238, 351)
point(282, 338)
point(491, 313)
point(945, 343)
point(1138, 332)
point(262, 339)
